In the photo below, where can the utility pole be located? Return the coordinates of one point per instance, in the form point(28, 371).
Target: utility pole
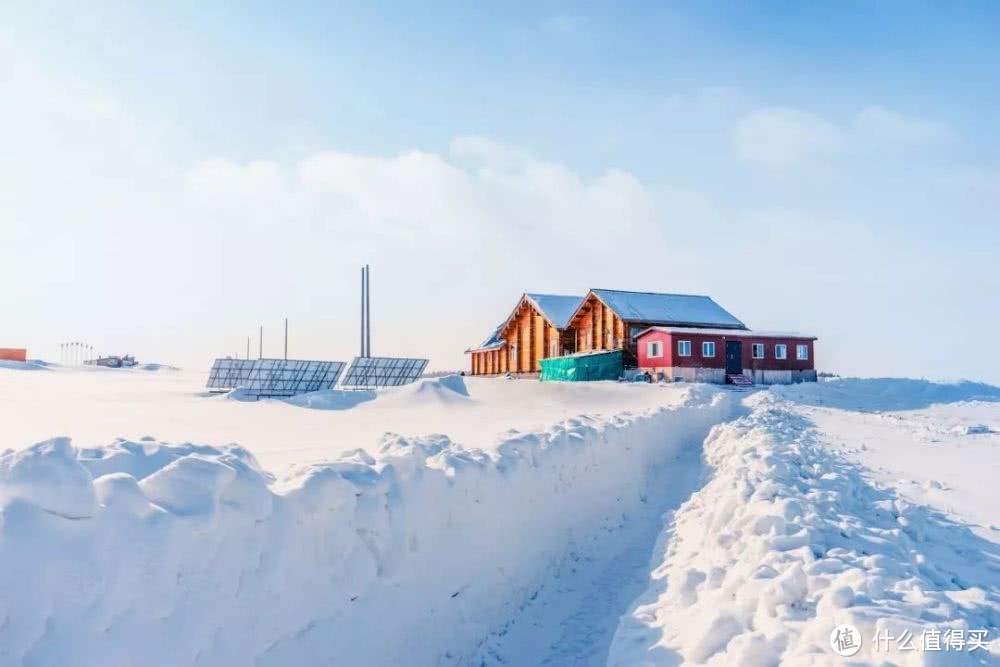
point(362, 311)
point(368, 311)
point(248, 348)
point(260, 341)
point(286, 339)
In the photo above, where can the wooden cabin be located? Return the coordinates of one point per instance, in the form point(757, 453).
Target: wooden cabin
point(536, 329)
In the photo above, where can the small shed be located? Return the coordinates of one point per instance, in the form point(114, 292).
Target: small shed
point(583, 367)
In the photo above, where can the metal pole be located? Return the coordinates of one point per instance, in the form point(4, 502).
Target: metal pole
point(362, 311)
point(368, 311)
point(286, 339)
point(260, 341)
point(248, 348)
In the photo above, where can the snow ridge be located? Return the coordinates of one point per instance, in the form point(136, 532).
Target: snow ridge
point(158, 554)
point(786, 542)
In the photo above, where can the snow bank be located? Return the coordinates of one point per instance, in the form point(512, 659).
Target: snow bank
point(872, 394)
point(788, 541)
point(449, 391)
point(144, 552)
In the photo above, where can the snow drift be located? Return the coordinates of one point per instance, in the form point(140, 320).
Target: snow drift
point(789, 540)
point(144, 552)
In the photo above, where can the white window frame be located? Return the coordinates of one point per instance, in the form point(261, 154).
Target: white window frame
point(704, 346)
point(680, 348)
point(757, 346)
point(784, 350)
point(801, 352)
point(654, 345)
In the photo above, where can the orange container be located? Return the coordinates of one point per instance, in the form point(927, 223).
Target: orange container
point(13, 354)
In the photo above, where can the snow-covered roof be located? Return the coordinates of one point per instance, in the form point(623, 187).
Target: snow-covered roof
point(494, 342)
point(556, 308)
point(669, 309)
point(745, 333)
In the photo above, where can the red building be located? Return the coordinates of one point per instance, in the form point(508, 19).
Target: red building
point(718, 355)
point(13, 354)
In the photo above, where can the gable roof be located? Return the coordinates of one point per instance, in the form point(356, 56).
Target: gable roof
point(494, 342)
point(668, 309)
point(556, 308)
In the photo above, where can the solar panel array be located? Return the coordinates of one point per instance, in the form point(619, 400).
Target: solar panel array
point(230, 373)
point(370, 372)
point(274, 377)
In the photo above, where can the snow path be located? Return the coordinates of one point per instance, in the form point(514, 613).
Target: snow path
point(788, 540)
point(571, 620)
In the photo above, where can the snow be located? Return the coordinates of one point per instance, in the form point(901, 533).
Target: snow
point(411, 550)
point(95, 406)
point(806, 525)
point(475, 521)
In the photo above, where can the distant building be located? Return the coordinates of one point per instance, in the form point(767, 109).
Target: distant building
point(670, 336)
point(13, 354)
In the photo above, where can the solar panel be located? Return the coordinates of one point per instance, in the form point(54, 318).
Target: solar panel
point(280, 377)
point(372, 372)
point(274, 377)
point(229, 373)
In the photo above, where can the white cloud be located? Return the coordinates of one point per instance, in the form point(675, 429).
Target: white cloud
point(780, 137)
point(883, 124)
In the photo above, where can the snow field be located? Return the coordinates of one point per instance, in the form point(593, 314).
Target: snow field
point(145, 552)
point(789, 540)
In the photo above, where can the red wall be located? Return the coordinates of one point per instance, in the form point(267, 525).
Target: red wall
point(13, 354)
point(769, 363)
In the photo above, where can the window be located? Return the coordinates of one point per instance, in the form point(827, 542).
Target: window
point(683, 348)
point(554, 348)
point(780, 351)
point(654, 349)
point(801, 352)
point(758, 350)
point(708, 349)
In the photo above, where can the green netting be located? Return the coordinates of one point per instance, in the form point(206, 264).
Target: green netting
point(583, 367)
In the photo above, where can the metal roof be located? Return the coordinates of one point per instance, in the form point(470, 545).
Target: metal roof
point(556, 308)
point(743, 333)
point(670, 309)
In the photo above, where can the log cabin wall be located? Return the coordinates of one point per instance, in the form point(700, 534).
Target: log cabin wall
point(538, 340)
point(597, 327)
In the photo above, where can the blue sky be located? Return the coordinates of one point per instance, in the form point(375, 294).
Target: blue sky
point(178, 173)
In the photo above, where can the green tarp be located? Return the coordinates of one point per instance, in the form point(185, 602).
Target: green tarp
point(583, 367)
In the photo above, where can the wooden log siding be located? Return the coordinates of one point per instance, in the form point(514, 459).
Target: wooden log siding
point(598, 327)
point(538, 338)
point(524, 358)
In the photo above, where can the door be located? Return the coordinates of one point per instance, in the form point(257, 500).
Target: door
point(734, 357)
